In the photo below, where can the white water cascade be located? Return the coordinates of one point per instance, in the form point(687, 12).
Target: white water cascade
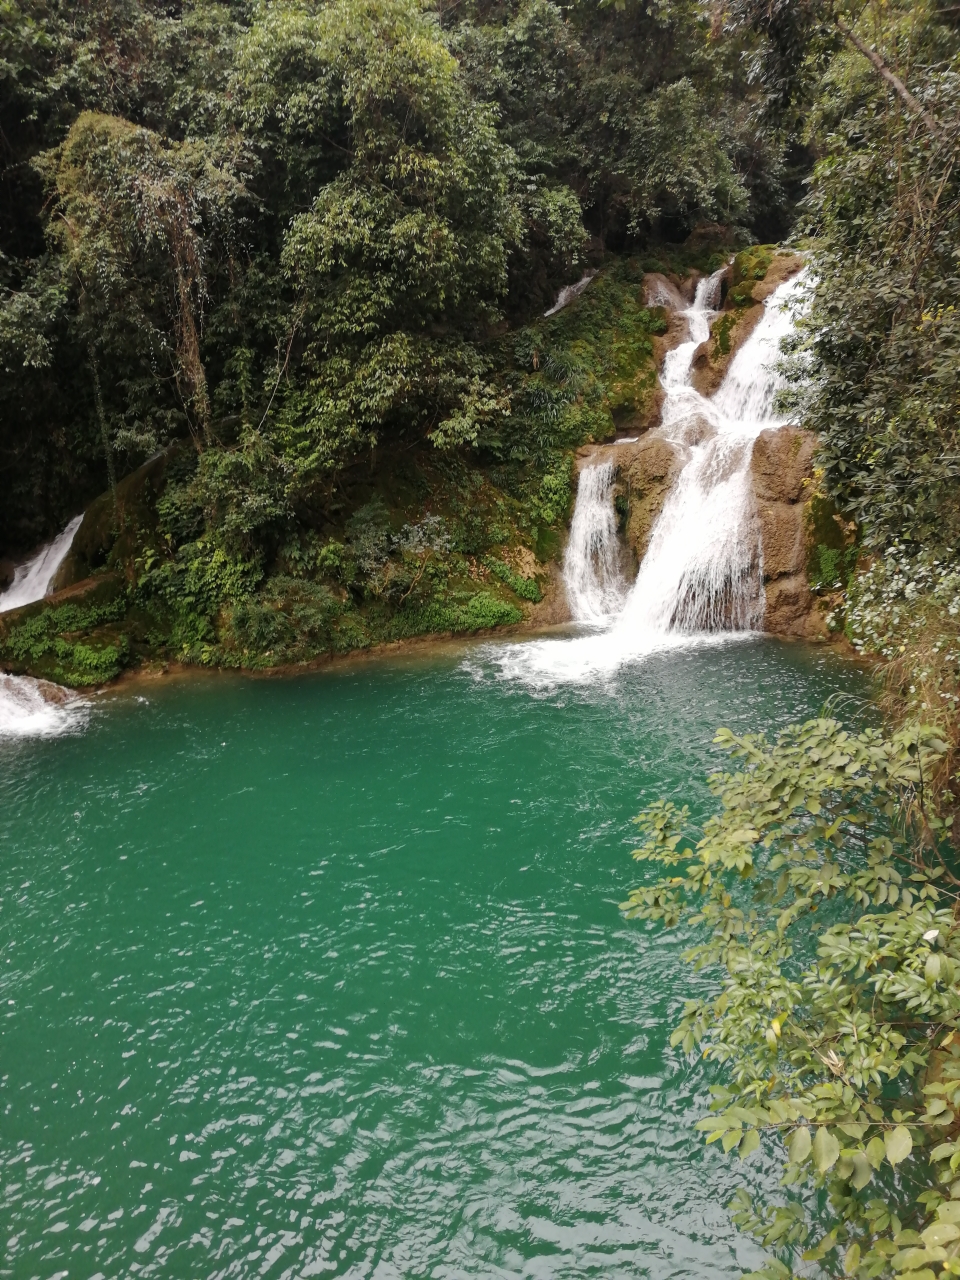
point(33, 579)
point(35, 709)
point(702, 576)
point(591, 564)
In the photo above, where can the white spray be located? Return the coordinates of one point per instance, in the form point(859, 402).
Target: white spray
point(35, 709)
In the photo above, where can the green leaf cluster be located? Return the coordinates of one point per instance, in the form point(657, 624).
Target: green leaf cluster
point(822, 894)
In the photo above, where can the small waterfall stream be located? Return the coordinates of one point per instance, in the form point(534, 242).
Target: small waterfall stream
point(31, 708)
point(34, 578)
point(702, 575)
point(591, 565)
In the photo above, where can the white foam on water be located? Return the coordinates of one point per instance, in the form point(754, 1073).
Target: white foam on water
point(701, 580)
point(35, 709)
point(34, 579)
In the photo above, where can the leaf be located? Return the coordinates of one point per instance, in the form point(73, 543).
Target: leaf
point(898, 1144)
point(862, 1173)
point(939, 1234)
point(875, 1152)
point(909, 1259)
point(826, 1149)
point(731, 1138)
point(750, 1142)
point(799, 1144)
point(853, 1130)
point(852, 1259)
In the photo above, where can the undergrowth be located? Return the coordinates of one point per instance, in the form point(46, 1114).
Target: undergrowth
point(72, 644)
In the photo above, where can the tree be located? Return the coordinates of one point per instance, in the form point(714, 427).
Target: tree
point(399, 261)
point(823, 895)
point(882, 369)
point(135, 219)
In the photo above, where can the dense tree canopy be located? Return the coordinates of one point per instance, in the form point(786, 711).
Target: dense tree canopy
point(306, 220)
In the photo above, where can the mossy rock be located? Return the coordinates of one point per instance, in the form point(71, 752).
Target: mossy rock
point(113, 530)
point(832, 545)
point(751, 265)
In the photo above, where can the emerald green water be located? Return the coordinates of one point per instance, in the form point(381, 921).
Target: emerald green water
point(325, 976)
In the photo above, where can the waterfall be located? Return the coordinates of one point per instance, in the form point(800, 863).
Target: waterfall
point(33, 579)
point(569, 292)
point(591, 564)
point(703, 571)
point(702, 575)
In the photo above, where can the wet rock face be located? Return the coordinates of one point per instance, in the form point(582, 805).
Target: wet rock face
point(648, 476)
point(646, 472)
point(782, 471)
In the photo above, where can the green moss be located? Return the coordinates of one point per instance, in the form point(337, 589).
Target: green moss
point(832, 551)
point(720, 332)
point(752, 264)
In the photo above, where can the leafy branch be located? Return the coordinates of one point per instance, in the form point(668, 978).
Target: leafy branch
point(817, 893)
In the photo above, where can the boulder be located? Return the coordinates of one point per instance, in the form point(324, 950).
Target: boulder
point(647, 474)
point(782, 471)
point(646, 470)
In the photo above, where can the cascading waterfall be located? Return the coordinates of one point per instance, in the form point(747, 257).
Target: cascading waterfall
point(702, 575)
point(33, 708)
point(591, 565)
point(33, 579)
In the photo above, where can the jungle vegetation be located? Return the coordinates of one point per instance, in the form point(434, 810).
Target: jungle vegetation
point(272, 284)
point(297, 255)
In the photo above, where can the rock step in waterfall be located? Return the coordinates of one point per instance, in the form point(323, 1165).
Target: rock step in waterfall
point(701, 576)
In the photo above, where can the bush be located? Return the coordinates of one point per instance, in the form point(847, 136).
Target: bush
point(525, 588)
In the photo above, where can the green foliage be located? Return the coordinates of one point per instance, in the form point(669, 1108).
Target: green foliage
point(289, 620)
point(525, 588)
point(822, 895)
point(830, 567)
point(904, 609)
point(569, 375)
point(72, 644)
point(478, 611)
point(882, 353)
